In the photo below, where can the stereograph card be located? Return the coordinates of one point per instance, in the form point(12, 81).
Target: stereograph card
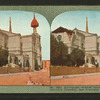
point(49, 49)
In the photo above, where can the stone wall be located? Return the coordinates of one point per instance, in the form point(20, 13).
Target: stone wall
point(31, 46)
point(27, 43)
point(3, 40)
point(22, 46)
point(91, 44)
point(14, 44)
point(78, 40)
point(27, 48)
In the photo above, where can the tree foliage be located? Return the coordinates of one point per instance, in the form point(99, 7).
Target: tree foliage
point(77, 56)
point(59, 54)
point(69, 61)
point(3, 57)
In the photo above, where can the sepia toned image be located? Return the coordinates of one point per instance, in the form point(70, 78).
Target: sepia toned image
point(24, 48)
point(75, 48)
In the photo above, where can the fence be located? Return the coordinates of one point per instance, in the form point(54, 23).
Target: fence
point(17, 69)
point(65, 70)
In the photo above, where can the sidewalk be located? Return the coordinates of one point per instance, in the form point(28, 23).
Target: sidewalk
point(20, 73)
point(72, 76)
point(37, 77)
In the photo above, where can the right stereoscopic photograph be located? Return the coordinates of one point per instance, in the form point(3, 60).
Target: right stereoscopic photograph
point(75, 48)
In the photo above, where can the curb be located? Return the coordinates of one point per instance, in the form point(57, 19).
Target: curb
point(72, 76)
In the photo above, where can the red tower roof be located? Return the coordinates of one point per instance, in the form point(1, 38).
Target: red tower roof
point(34, 23)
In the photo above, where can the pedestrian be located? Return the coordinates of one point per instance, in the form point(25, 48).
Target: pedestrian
point(29, 83)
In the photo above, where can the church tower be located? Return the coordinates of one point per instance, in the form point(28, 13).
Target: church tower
point(86, 24)
point(10, 28)
point(34, 24)
point(36, 54)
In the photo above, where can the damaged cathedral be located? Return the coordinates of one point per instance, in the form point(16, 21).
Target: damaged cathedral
point(84, 40)
point(26, 48)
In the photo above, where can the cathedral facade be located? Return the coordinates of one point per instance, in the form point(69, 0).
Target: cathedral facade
point(88, 42)
point(27, 48)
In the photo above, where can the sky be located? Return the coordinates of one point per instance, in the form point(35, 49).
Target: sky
point(77, 19)
point(21, 23)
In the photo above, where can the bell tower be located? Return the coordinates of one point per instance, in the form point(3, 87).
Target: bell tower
point(87, 25)
point(34, 24)
point(10, 28)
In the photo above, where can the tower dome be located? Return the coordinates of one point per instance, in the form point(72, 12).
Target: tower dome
point(34, 23)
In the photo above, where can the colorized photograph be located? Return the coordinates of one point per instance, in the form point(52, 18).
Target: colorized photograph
point(24, 48)
point(75, 48)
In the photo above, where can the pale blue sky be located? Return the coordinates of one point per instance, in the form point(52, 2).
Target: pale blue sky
point(21, 23)
point(77, 19)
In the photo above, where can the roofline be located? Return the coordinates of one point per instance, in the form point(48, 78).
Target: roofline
point(98, 37)
point(61, 32)
point(26, 36)
point(9, 32)
point(84, 31)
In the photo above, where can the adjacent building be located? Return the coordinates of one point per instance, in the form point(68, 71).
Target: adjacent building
point(25, 49)
point(46, 64)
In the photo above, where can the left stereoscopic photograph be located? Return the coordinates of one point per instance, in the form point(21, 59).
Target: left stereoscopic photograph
point(24, 48)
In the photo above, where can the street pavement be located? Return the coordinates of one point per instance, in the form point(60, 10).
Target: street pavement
point(26, 78)
point(85, 79)
point(43, 78)
point(71, 76)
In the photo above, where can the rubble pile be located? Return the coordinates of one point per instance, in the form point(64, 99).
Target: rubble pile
point(11, 65)
point(88, 65)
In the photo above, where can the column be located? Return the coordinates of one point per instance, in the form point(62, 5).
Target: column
point(13, 59)
point(8, 58)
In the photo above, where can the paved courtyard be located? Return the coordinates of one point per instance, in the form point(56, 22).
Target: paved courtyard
point(37, 78)
point(81, 80)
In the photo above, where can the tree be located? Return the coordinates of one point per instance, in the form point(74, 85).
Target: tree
point(77, 56)
point(63, 52)
point(54, 50)
point(59, 52)
point(69, 61)
point(3, 57)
